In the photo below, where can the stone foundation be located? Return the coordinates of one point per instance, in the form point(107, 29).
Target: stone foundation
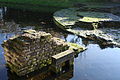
point(32, 50)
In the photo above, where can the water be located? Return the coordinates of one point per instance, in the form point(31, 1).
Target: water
point(96, 63)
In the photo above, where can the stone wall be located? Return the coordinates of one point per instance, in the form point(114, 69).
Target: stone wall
point(31, 51)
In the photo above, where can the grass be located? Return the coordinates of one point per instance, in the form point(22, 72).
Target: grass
point(60, 3)
point(44, 5)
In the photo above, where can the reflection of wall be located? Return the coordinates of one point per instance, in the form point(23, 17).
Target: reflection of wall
point(1, 16)
point(2, 12)
point(43, 75)
point(27, 17)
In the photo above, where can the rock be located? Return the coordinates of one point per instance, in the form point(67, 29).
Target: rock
point(101, 27)
point(72, 17)
point(33, 50)
point(77, 48)
point(104, 36)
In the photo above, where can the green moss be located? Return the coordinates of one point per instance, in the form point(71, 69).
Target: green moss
point(77, 48)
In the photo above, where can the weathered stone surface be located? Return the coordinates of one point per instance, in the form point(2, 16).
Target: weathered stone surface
point(72, 17)
point(91, 25)
point(104, 36)
point(63, 59)
point(33, 50)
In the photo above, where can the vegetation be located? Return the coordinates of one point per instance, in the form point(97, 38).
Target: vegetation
point(44, 5)
point(60, 3)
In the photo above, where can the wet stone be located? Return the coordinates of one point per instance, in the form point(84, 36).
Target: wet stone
point(72, 17)
point(98, 26)
point(104, 36)
point(33, 50)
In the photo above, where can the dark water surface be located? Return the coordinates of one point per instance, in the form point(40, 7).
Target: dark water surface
point(96, 63)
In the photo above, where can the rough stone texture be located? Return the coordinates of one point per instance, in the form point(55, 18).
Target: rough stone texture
point(32, 50)
point(104, 36)
point(60, 59)
point(72, 17)
point(91, 25)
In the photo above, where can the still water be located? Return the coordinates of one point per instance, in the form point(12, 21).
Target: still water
point(96, 63)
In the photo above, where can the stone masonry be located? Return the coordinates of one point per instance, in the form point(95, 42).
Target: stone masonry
point(31, 51)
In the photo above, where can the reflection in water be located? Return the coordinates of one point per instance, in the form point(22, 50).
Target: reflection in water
point(96, 63)
point(43, 74)
point(2, 12)
point(3, 69)
point(14, 22)
point(29, 17)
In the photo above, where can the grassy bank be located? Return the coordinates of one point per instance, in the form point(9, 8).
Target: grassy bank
point(44, 5)
point(60, 3)
point(37, 5)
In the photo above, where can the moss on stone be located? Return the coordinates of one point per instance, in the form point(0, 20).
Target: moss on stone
point(77, 48)
point(35, 55)
point(72, 17)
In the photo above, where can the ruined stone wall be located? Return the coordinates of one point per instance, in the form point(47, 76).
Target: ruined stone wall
point(31, 51)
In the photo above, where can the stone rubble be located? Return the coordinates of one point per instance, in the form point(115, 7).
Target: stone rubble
point(32, 50)
point(72, 17)
point(94, 25)
point(104, 36)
